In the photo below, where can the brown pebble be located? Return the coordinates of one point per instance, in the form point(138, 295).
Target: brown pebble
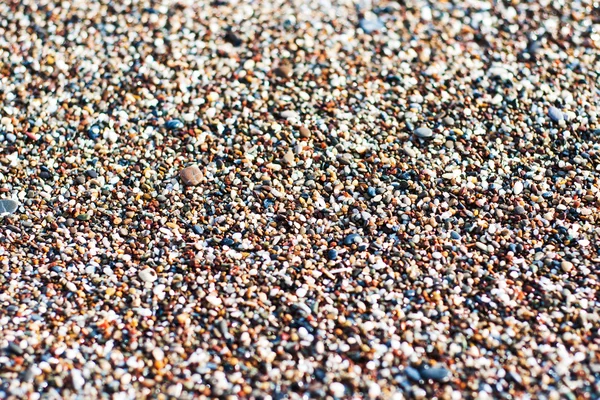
point(288, 158)
point(191, 175)
point(305, 132)
point(283, 71)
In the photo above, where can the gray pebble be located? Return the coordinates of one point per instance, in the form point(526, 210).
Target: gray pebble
point(520, 210)
point(424, 132)
point(449, 121)
point(8, 206)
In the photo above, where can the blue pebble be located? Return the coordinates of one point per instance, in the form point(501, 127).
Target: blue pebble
point(371, 25)
point(439, 374)
point(412, 374)
point(174, 124)
point(351, 239)
point(94, 132)
point(227, 242)
point(454, 235)
point(332, 254)
point(555, 114)
point(372, 192)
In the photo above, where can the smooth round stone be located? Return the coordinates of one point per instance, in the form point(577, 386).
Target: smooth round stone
point(174, 124)
point(449, 121)
point(283, 71)
point(304, 132)
point(566, 266)
point(351, 239)
point(518, 188)
point(435, 374)
point(520, 210)
point(234, 39)
point(555, 114)
point(227, 242)
point(412, 373)
point(45, 175)
point(332, 254)
point(455, 235)
point(191, 176)
point(8, 206)
point(148, 275)
point(424, 132)
point(371, 25)
point(94, 132)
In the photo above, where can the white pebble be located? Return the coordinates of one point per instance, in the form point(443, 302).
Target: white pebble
point(148, 275)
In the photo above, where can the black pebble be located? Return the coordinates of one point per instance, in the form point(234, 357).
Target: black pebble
point(45, 175)
point(234, 39)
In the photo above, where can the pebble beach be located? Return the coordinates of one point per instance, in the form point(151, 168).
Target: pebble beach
point(309, 199)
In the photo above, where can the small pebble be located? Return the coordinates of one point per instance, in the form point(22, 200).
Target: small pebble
point(191, 176)
point(435, 374)
point(8, 206)
point(371, 25)
point(332, 254)
point(148, 275)
point(304, 132)
point(352, 238)
point(555, 114)
point(423, 132)
point(174, 124)
point(283, 71)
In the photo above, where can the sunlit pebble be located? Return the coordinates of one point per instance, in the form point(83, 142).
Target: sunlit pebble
point(191, 176)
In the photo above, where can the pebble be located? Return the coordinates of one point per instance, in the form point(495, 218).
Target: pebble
point(148, 275)
point(288, 158)
point(233, 38)
point(304, 132)
point(174, 124)
point(555, 114)
point(566, 266)
point(283, 71)
point(370, 25)
point(332, 254)
point(191, 176)
point(337, 389)
point(412, 374)
point(8, 206)
point(424, 132)
point(438, 374)
point(352, 239)
point(449, 121)
point(518, 188)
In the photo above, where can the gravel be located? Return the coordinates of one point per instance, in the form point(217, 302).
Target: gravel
point(232, 199)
